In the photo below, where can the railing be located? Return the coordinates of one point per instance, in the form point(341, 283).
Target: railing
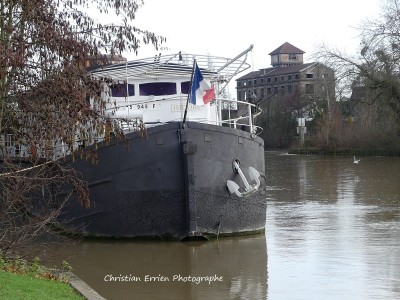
point(246, 119)
point(55, 150)
point(9, 148)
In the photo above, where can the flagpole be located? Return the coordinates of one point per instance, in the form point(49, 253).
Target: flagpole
point(189, 93)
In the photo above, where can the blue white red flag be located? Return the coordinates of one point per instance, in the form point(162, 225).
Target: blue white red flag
point(200, 93)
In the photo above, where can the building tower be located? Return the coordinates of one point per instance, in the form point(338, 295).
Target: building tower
point(286, 55)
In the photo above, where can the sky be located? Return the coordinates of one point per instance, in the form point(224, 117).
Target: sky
point(227, 27)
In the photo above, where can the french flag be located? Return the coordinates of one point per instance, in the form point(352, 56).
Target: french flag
point(200, 93)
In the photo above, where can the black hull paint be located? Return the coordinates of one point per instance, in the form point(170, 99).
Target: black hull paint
point(171, 184)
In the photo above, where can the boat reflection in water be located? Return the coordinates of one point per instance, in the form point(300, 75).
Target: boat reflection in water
point(231, 268)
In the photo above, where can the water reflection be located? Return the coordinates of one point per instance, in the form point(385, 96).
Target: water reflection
point(241, 262)
point(333, 230)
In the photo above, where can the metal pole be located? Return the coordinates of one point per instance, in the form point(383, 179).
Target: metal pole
point(188, 96)
point(250, 118)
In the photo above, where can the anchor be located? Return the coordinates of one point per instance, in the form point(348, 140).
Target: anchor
point(249, 189)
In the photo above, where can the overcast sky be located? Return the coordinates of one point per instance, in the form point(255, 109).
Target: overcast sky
point(227, 27)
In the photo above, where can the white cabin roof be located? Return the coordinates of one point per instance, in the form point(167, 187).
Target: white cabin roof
point(175, 65)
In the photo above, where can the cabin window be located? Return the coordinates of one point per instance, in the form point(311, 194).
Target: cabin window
point(157, 89)
point(185, 87)
point(119, 90)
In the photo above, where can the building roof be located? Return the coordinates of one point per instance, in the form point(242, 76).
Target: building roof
point(287, 48)
point(276, 71)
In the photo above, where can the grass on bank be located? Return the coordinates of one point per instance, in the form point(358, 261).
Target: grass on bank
point(21, 280)
point(16, 286)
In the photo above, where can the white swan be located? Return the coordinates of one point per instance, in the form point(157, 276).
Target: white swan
point(356, 161)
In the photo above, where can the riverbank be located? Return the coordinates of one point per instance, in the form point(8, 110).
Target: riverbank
point(22, 280)
point(17, 286)
point(356, 152)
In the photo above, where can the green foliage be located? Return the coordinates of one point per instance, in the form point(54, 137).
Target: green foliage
point(35, 266)
point(66, 266)
point(15, 286)
point(34, 269)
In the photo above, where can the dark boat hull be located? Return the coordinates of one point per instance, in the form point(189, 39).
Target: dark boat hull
point(170, 184)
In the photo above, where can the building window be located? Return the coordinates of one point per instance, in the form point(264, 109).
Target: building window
point(276, 78)
point(296, 76)
point(290, 89)
point(275, 89)
point(282, 78)
point(309, 89)
point(289, 77)
point(268, 91)
point(292, 56)
point(269, 79)
point(255, 81)
point(310, 76)
point(262, 80)
point(282, 90)
point(251, 95)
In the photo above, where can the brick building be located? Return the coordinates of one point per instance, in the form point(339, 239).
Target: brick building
point(288, 76)
point(288, 90)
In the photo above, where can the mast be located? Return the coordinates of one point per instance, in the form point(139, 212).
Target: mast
point(236, 58)
point(219, 104)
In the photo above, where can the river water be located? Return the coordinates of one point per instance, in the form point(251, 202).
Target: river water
point(332, 232)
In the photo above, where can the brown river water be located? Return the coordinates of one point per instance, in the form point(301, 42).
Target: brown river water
point(332, 232)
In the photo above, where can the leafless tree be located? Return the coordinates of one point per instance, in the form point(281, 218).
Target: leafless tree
point(47, 97)
point(371, 78)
